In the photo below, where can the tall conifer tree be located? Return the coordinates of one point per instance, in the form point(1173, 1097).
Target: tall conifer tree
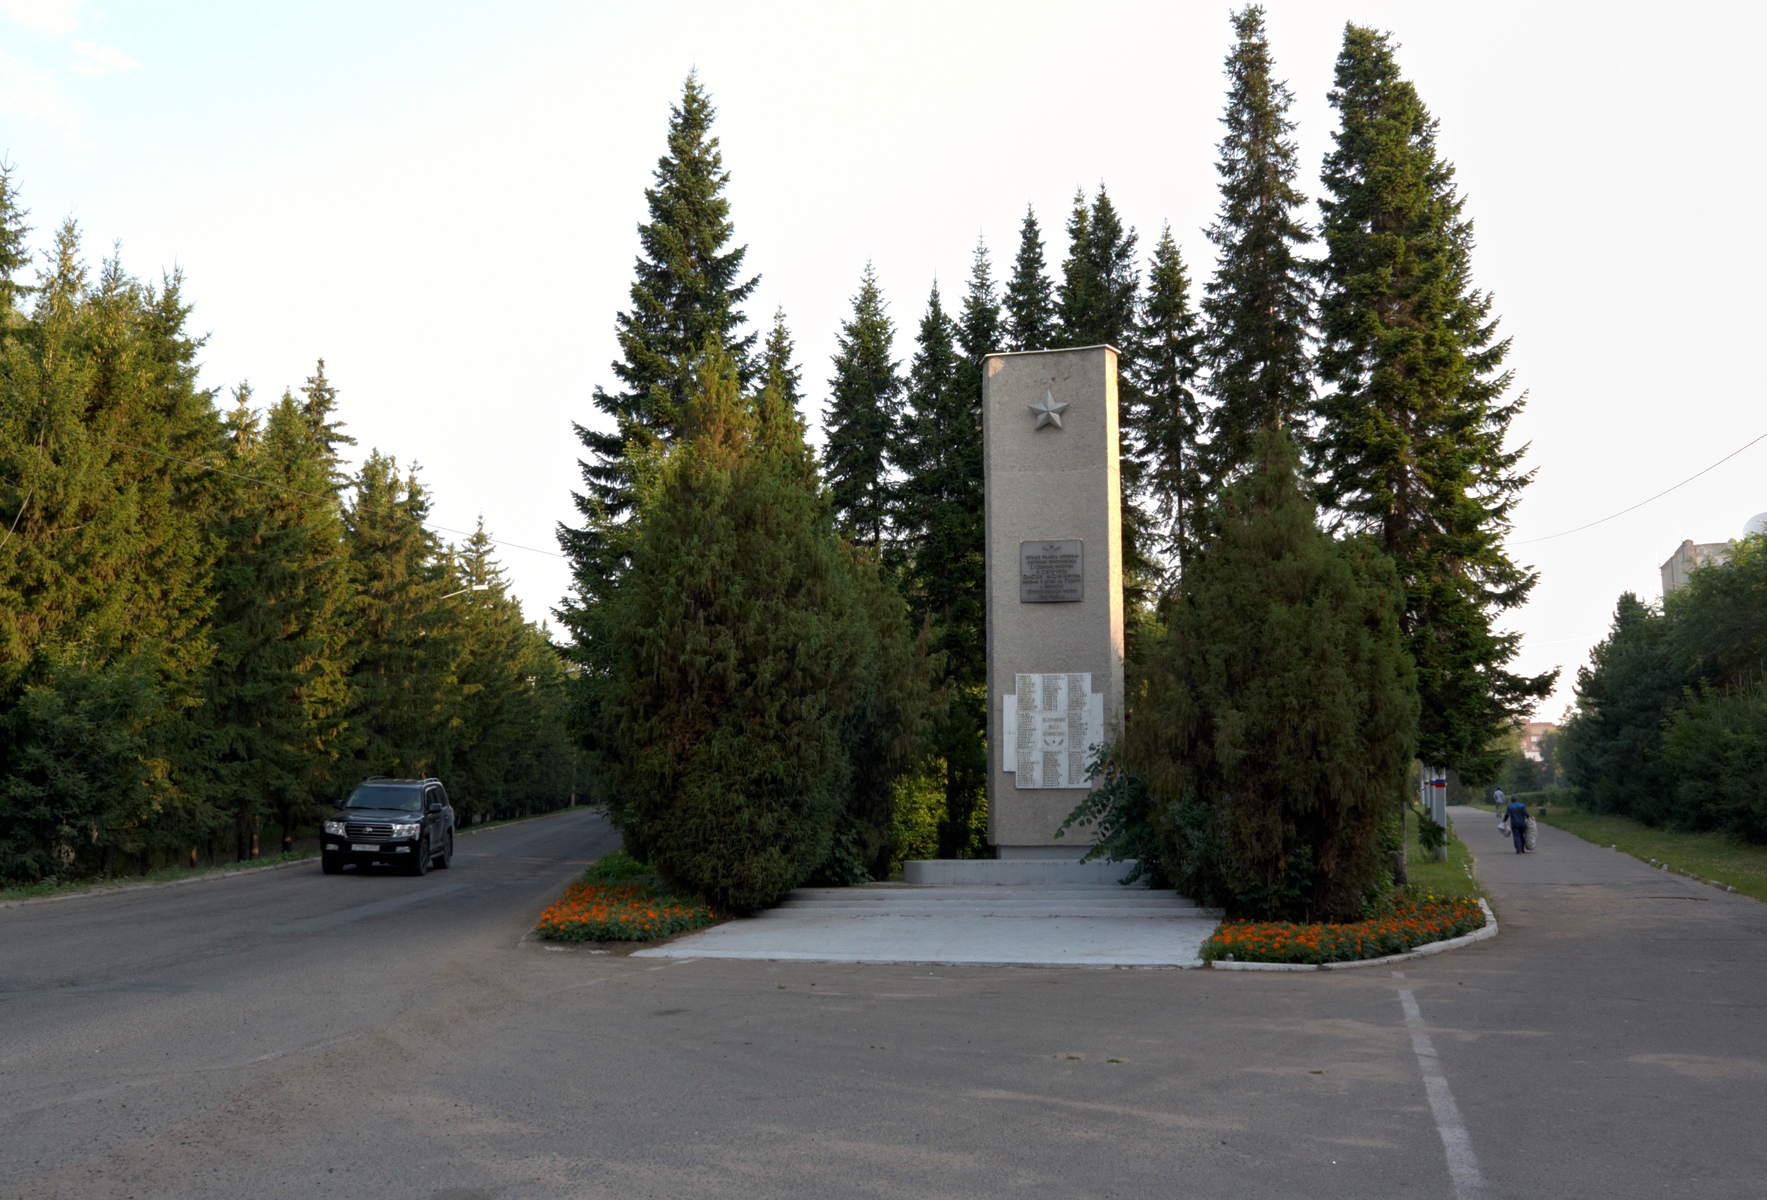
point(779, 371)
point(861, 417)
point(689, 286)
point(405, 647)
point(1097, 304)
point(1030, 298)
point(1170, 338)
point(15, 255)
point(1414, 419)
point(941, 524)
point(278, 692)
point(1259, 303)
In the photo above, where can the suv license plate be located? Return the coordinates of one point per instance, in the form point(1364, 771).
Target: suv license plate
point(359, 849)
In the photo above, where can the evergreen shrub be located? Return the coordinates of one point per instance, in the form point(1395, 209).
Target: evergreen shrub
point(1273, 721)
point(763, 692)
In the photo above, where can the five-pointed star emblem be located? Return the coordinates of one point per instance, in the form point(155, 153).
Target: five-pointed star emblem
point(1048, 412)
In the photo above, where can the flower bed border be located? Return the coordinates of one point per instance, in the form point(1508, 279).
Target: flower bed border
point(1453, 943)
point(667, 915)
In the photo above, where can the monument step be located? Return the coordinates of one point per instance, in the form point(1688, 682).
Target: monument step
point(966, 902)
point(996, 872)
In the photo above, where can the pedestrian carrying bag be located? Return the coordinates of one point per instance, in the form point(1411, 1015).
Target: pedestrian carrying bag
point(1528, 836)
point(1503, 827)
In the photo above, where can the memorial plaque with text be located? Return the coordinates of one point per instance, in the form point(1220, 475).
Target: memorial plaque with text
point(1053, 724)
point(1050, 572)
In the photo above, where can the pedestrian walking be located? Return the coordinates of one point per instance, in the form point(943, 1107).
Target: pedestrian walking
point(1517, 812)
point(1498, 803)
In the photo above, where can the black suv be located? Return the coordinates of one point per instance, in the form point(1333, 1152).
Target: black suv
point(405, 822)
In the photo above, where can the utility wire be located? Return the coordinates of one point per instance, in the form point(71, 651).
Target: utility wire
point(1642, 503)
point(283, 487)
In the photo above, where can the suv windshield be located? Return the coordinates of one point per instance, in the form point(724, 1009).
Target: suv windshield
point(404, 797)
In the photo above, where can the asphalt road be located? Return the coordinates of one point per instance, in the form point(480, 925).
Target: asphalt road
point(288, 1034)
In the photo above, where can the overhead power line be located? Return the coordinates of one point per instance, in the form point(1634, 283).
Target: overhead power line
point(1649, 499)
point(283, 487)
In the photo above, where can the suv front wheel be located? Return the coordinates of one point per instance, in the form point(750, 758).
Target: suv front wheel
point(421, 865)
point(447, 855)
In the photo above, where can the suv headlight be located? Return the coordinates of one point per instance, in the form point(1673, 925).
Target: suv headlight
point(336, 827)
point(405, 831)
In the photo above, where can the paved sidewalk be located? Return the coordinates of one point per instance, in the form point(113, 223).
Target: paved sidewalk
point(989, 925)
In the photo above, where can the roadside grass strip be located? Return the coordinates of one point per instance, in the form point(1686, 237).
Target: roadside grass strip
point(1412, 917)
point(1714, 858)
point(604, 912)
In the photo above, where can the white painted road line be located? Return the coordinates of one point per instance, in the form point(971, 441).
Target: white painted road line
point(1463, 1166)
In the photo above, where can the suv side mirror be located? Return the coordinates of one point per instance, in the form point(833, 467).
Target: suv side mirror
point(435, 806)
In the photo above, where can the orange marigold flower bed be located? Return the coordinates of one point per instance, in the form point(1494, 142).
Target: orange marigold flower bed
point(1407, 920)
point(606, 912)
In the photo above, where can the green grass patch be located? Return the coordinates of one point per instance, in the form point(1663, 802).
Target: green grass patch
point(68, 887)
point(1453, 876)
point(1714, 857)
point(620, 899)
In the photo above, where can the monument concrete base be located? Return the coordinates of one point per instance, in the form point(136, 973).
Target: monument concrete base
point(1058, 925)
point(1031, 870)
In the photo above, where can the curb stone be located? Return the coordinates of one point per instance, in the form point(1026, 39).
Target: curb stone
point(1465, 939)
point(204, 877)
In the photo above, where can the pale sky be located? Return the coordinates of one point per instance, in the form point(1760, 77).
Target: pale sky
point(441, 200)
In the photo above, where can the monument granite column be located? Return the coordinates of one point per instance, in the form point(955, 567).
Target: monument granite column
point(1054, 588)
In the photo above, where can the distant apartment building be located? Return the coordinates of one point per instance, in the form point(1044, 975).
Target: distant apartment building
point(1532, 732)
point(1689, 555)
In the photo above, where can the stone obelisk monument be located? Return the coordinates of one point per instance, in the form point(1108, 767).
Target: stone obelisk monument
point(1054, 587)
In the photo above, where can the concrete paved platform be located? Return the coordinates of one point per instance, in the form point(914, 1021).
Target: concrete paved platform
point(1065, 926)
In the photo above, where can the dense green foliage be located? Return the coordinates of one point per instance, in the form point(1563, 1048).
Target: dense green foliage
point(1414, 415)
point(1275, 719)
point(1670, 726)
point(940, 536)
point(206, 629)
point(764, 690)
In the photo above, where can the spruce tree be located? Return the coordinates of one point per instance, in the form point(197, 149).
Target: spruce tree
point(510, 752)
point(104, 565)
point(939, 453)
point(1415, 415)
point(1097, 304)
point(1169, 342)
point(778, 370)
point(15, 253)
point(861, 417)
point(1100, 287)
point(779, 404)
point(405, 646)
point(277, 694)
point(1276, 712)
point(689, 286)
point(1030, 298)
point(1613, 744)
point(1259, 302)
